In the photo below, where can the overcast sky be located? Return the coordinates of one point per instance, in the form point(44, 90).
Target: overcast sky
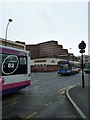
point(36, 22)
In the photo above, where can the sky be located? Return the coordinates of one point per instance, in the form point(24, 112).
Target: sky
point(39, 21)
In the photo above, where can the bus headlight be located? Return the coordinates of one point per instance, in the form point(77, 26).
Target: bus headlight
point(68, 71)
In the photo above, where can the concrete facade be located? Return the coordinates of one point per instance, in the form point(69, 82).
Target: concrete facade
point(47, 49)
point(45, 56)
point(9, 43)
point(44, 64)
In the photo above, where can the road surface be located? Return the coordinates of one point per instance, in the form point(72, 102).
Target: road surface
point(45, 98)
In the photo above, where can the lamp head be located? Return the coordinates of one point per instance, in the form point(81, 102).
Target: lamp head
point(10, 20)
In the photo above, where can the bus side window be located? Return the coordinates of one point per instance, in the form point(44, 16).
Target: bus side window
point(23, 61)
point(22, 65)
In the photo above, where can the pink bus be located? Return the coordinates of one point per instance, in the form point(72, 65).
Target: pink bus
point(14, 70)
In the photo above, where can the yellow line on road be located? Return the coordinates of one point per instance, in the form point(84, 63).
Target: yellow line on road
point(62, 92)
point(63, 89)
point(31, 115)
point(48, 104)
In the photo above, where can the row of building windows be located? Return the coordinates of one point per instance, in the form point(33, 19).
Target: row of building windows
point(46, 49)
point(40, 66)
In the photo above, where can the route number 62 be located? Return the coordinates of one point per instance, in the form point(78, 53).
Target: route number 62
point(10, 65)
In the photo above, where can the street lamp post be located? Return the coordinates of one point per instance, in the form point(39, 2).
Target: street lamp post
point(10, 20)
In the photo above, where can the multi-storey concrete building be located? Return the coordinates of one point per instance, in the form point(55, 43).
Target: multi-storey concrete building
point(47, 49)
point(51, 49)
point(34, 50)
point(47, 54)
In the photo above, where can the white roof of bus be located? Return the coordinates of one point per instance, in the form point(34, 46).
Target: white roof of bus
point(1, 46)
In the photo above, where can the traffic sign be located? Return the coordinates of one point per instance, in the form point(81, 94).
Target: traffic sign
point(82, 51)
point(82, 45)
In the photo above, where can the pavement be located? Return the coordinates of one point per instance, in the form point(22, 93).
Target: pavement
point(79, 98)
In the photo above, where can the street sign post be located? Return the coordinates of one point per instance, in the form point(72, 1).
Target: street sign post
point(82, 46)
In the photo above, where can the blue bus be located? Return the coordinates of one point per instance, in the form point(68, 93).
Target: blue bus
point(66, 67)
